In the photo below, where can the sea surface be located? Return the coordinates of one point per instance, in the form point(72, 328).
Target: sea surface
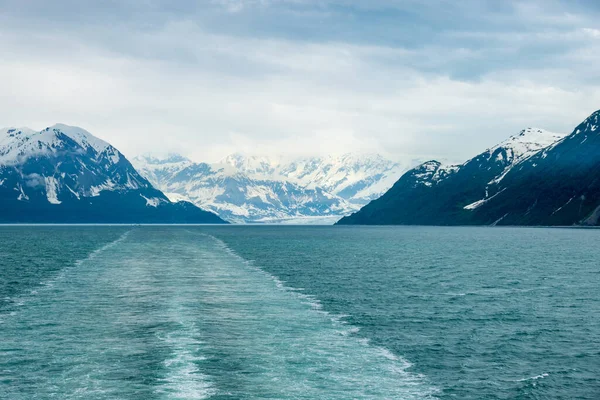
point(291, 312)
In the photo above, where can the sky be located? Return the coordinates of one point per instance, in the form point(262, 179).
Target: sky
point(404, 78)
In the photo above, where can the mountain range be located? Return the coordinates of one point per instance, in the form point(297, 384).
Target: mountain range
point(533, 178)
point(64, 174)
point(245, 188)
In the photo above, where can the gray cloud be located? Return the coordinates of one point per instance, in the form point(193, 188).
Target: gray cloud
point(209, 78)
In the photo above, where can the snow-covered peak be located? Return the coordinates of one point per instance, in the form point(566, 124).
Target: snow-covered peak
point(433, 171)
point(427, 168)
point(355, 177)
point(424, 174)
point(521, 147)
point(429, 165)
point(81, 136)
point(170, 158)
point(155, 167)
point(591, 123)
point(169, 162)
point(594, 117)
point(360, 160)
point(304, 169)
point(252, 164)
point(526, 143)
point(19, 144)
point(11, 132)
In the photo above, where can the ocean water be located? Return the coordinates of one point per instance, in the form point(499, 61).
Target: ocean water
point(242, 312)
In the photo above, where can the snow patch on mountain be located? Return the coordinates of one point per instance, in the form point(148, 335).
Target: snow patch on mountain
point(152, 201)
point(51, 190)
point(479, 203)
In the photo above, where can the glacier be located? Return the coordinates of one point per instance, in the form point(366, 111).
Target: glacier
point(275, 189)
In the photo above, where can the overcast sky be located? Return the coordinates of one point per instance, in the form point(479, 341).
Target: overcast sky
point(440, 78)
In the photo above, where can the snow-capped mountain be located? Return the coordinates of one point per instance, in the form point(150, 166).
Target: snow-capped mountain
point(356, 178)
point(495, 162)
point(559, 185)
point(240, 195)
point(259, 189)
point(65, 174)
point(438, 194)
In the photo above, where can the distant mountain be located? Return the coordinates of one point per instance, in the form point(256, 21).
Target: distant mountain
point(64, 174)
point(271, 189)
point(355, 178)
point(521, 181)
point(239, 194)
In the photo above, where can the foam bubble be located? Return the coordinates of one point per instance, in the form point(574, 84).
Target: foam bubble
point(533, 378)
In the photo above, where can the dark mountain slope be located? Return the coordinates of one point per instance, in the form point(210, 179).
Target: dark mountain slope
point(557, 186)
point(433, 194)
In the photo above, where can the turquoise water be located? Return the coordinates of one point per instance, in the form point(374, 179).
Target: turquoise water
point(299, 313)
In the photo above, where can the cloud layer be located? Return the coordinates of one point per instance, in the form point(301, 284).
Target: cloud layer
point(300, 76)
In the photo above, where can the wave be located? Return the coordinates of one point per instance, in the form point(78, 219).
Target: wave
point(533, 378)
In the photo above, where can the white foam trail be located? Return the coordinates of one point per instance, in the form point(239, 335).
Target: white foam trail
point(48, 284)
point(184, 380)
point(399, 365)
point(107, 246)
point(387, 354)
